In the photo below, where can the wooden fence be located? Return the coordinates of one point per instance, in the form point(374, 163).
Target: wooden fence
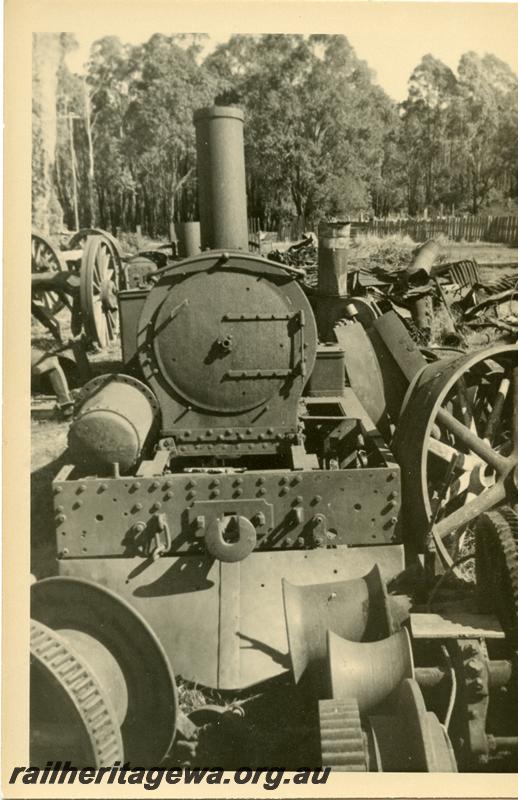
point(468, 228)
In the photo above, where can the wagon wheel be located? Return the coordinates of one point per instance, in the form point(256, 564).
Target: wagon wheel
point(457, 444)
point(98, 288)
point(46, 258)
point(78, 241)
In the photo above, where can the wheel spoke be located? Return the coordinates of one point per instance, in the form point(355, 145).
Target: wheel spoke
point(458, 487)
point(483, 502)
point(446, 452)
point(496, 412)
point(472, 441)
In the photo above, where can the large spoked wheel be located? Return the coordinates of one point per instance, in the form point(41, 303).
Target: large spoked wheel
point(78, 241)
point(46, 258)
point(98, 288)
point(457, 444)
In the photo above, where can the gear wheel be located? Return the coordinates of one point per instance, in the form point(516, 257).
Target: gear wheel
point(342, 740)
point(59, 672)
point(496, 543)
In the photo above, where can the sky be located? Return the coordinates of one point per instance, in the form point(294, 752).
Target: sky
point(391, 37)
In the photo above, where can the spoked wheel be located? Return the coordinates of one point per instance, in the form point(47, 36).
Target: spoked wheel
point(457, 444)
point(46, 258)
point(98, 291)
point(78, 240)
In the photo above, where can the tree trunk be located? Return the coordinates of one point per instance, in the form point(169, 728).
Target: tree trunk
point(47, 214)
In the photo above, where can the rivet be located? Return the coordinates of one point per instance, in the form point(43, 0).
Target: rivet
point(215, 482)
point(238, 481)
point(392, 495)
point(138, 506)
point(168, 495)
point(139, 527)
point(60, 508)
point(190, 495)
point(103, 487)
point(191, 484)
point(157, 506)
point(238, 492)
point(283, 480)
point(300, 541)
point(283, 491)
point(393, 520)
point(81, 487)
point(61, 518)
point(270, 430)
point(260, 481)
point(168, 484)
point(317, 498)
point(297, 479)
point(65, 551)
point(155, 371)
point(79, 503)
point(208, 432)
point(288, 541)
point(298, 499)
point(249, 430)
point(215, 493)
point(135, 485)
point(261, 491)
point(154, 485)
point(58, 489)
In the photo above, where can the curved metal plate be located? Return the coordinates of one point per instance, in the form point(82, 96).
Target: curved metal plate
point(223, 624)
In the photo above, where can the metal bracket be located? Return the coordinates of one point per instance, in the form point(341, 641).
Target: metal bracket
point(161, 539)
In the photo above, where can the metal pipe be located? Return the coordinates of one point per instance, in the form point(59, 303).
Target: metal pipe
point(499, 675)
point(189, 239)
point(221, 178)
point(423, 260)
point(333, 248)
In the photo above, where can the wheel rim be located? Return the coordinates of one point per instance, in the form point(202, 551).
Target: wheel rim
point(457, 443)
point(46, 258)
point(78, 240)
point(98, 291)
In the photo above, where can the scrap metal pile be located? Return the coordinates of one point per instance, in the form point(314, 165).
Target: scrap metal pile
point(280, 497)
point(416, 290)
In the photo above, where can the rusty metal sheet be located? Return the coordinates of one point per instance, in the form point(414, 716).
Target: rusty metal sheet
point(118, 516)
point(190, 602)
point(363, 370)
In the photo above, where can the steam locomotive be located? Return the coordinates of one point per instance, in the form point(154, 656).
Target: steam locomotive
point(265, 493)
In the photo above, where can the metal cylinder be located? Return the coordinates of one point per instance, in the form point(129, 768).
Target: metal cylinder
point(423, 260)
point(333, 247)
point(221, 178)
point(113, 423)
point(189, 239)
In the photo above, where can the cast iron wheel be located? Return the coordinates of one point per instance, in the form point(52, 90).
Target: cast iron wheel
point(457, 444)
point(98, 291)
point(71, 712)
point(496, 542)
point(46, 258)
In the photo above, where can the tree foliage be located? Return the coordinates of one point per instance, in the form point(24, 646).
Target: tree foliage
point(321, 136)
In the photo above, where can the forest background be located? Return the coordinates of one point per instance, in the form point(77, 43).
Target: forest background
point(114, 148)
